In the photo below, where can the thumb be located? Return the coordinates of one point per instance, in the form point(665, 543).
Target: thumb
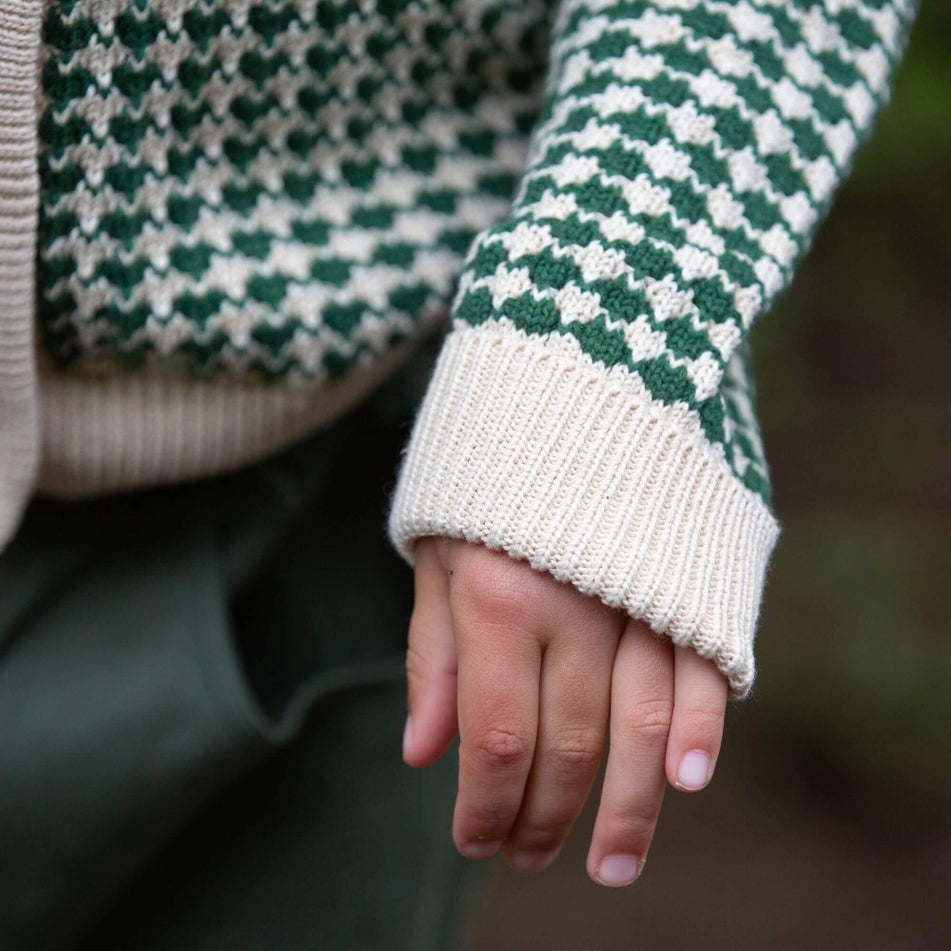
point(430, 662)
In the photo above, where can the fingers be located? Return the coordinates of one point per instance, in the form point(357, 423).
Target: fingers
point(534, 672)
point(494, 613)
point(576, 672)
point(696, 730)
point(642, 694)
point(430, 662)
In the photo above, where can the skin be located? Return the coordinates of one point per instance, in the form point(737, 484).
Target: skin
point(535, 676)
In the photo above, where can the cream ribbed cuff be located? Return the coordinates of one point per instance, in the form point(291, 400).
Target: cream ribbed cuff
point(525, 444)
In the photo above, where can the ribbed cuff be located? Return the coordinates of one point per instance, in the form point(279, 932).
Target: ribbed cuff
point(525, 444)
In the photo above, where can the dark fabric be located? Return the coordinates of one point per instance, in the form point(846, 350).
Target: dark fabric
point(201, 702)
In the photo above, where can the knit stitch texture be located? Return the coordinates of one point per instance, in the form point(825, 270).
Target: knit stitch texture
point(19, 196)
point(279, 188)
point(685, 153)
point(604, 196)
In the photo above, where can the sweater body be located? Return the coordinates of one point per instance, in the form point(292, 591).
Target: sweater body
point(250, 211)
point(223, 222)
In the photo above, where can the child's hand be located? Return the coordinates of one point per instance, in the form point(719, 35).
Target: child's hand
point(537, 671)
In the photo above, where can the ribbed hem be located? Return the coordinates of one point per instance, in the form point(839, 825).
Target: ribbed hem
point(133, 430)
point(526, 445)
point(19, 200)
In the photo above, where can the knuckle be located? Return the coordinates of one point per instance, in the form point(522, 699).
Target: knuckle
point(541, 834)
point(499, 600)
point(501, 748)
point(418, 665)
point(483, 820)
point(577, 750)
point(704, 719)
point(500, 589)
point(634, 827)
point(415, 661)
point(648, 722)
point(634, 822)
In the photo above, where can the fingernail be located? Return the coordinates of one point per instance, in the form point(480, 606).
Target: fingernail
point(618, 870)
point(694, 770)
point(407, 735)
point(480, 850)
point(533, 861)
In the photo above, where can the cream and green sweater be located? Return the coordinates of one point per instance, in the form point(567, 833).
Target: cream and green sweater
point(222, 222)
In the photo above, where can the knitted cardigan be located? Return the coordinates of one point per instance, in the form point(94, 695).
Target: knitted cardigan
point(223, 221)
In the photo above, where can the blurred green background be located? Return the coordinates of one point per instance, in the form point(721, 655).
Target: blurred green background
point(829, 822)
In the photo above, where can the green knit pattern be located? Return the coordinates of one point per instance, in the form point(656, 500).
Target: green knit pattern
point(287, 188)
point(272, 187)
point(685, 154)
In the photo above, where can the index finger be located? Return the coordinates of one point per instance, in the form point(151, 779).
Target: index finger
point(499, 663)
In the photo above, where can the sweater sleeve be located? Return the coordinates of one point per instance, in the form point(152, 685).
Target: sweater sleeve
point(591, 410)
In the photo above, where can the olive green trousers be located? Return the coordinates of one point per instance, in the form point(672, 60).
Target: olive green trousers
point(201, 705)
